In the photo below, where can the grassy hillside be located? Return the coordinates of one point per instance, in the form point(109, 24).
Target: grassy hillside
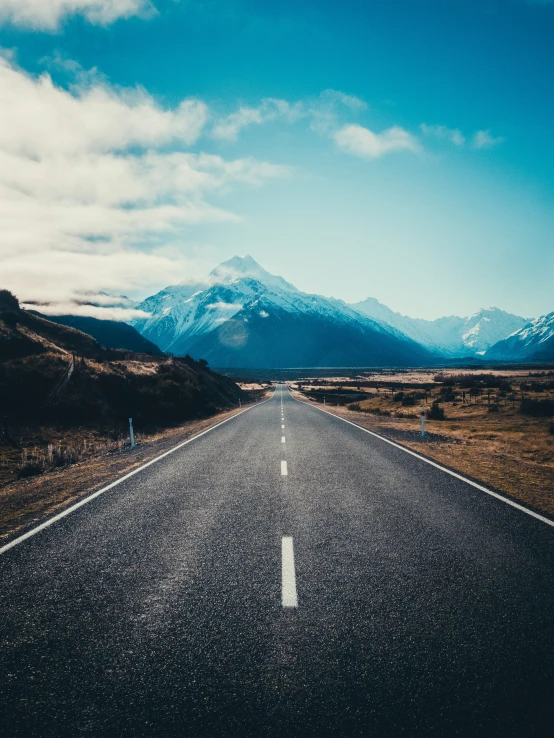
point(55, 379)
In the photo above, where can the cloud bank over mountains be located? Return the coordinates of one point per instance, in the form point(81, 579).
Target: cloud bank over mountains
point(91, 178)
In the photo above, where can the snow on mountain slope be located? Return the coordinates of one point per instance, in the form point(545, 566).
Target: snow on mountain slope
point(452, 335)
point(241, 294)
point(535, 341)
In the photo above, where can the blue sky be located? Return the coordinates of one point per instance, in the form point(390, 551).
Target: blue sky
point(400, 149)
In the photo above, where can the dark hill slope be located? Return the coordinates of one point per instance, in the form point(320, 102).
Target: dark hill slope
point(24, 333)
point(109, 333)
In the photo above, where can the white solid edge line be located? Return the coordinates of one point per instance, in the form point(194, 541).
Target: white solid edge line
point(284, 470)
point(289, 597)
point(480, 487)
point(99, 492)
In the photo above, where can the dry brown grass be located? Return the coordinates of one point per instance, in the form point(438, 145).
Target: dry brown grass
point(511, 452)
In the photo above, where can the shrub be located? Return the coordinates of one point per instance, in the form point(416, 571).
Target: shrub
point(355, 406)
point(30, 469)
point(408, 400)
point(398, 397)
point(537, 408)
point(551, 428)
point(435, 412)
point(493, 409)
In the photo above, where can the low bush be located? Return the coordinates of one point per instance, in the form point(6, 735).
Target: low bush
point(551, 428)
point(435, 412)
point(537, 408)
point(30, 469)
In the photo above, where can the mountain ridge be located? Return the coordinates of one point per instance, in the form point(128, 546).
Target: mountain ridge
point(453, 335)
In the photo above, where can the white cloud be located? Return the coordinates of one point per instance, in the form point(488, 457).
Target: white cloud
point(36, 117)
point(454, 135)
point(232, 306)
point(49, 14)
point(360, 141)
point(485, 140)
point(87, 311)
point(91, 192)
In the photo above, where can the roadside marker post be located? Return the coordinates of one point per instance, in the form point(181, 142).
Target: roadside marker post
point(131, 433)
point(423, 422)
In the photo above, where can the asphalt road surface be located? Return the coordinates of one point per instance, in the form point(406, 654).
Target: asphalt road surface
point(327, 584)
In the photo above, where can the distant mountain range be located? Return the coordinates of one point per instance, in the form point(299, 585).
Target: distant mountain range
point(452, 335)
point(243, 316)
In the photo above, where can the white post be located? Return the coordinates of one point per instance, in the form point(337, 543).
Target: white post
point(240, 403)
point(324, 399)
point(131, 433)
point(423, 422)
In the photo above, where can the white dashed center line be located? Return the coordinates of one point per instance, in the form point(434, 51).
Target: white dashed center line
point(289, 597)
point(284, 470)
point(282, 427)
point(282, 439)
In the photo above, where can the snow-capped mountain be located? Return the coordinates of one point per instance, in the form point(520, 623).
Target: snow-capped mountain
point(451, 335)
point(243, 316)
point(535, 342)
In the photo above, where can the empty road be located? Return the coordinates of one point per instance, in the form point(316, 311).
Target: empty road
point(285, 574)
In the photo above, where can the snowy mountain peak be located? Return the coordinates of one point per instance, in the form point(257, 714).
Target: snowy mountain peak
point(535, 341)
point(240, 267)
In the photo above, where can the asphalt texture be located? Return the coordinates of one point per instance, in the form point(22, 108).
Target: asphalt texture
point(425, 606)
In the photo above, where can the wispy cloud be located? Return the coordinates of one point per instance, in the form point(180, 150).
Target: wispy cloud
point(479, 140)
point(232, 306)
point(87, 311)
point(454, 135)
point(230, 126)
point(94, 180)
point(321, 110)
point(360, 141)
point(48, 15)
point(485, 140)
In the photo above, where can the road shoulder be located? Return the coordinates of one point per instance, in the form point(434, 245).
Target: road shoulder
point(27, 503)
